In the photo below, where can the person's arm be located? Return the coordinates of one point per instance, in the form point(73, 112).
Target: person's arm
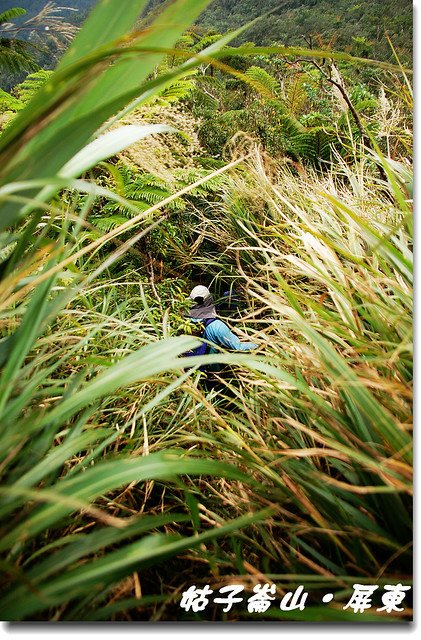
point(220, 334)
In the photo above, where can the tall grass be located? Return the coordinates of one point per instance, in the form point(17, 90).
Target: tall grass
point(113, 458)
point(318, 429)
point(61, 461)
point(328, 271)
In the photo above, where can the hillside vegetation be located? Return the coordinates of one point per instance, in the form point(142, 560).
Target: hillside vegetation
point(341, 23)
point(147, 162)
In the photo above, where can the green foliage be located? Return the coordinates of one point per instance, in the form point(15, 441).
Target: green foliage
point(25, 45)
point(359, 28)
point(175, 92)
point(141, 189)
point(32, 83)
point(263, 82)
point(269, 120)
point(10, 14)
point(96, 102)
point(23, 92)
point(163, 245)
point(117, 465)
point(9, 102)
point(16, 55)
point(43, 435)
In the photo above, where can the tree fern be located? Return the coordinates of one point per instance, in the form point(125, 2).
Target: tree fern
point(313, 143)
point(205, 42)
point(307, 143)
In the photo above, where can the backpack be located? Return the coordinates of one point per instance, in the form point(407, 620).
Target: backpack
point(203, 349)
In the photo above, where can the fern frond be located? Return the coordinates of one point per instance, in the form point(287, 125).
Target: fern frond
point(15, 57)
point(11, 14)
point(204, 80)
point(106, 223)
point(205, 100)
point(9, 102)
point(263, 82)
point(148, 180)
point(152, 195)
point(112, 207)
point(312, 143)
point(26, 89)
point(211, 186)
point(369, 104)
point(205, 42)
point(296, 95)
point(176, 91)
point(291, 126)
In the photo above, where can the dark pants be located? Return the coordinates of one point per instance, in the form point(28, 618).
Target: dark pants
point(222, 382)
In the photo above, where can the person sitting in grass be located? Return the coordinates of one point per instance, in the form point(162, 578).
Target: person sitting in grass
point(217, 334)
point(216, 331)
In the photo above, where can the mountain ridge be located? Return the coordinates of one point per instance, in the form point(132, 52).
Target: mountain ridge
point(357, 27)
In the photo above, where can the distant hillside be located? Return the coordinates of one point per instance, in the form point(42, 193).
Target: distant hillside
point(34, 6)
point(345, 24)
point(360, 25)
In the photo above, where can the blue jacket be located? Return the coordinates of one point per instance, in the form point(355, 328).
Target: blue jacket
point(218, 333)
